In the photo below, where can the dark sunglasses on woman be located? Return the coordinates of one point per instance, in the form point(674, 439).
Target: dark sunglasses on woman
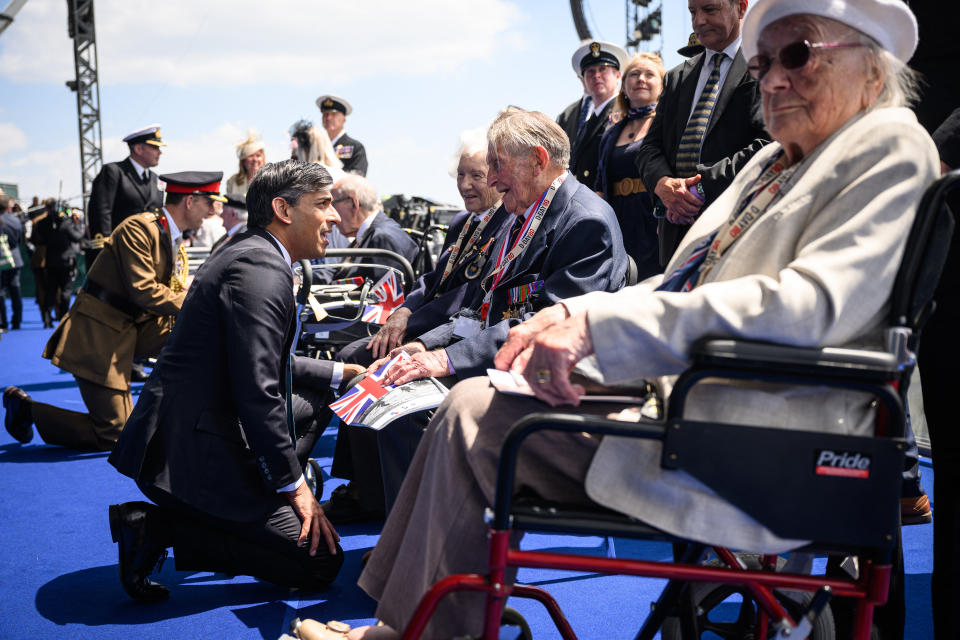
point(793, 56)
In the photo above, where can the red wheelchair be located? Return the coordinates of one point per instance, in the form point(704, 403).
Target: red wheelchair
point(856, 480)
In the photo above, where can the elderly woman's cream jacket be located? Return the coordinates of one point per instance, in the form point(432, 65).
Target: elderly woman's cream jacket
point(816, 269)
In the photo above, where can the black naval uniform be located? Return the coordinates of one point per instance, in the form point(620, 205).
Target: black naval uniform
point(585, 149)
point(351, 154)
point(117, 193)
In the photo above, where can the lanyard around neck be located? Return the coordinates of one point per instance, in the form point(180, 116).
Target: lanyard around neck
point(766, 189)
point(457, 249)
point(506, 257)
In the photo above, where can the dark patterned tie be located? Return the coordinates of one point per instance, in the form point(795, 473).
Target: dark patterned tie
point(688, 153)
point(515, 231)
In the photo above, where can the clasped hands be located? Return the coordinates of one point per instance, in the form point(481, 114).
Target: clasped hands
point(544, 349)
point(682, 206)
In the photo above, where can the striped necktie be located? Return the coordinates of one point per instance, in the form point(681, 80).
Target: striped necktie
point(688, 153)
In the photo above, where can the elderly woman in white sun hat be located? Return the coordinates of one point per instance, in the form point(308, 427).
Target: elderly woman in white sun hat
point(802, 249)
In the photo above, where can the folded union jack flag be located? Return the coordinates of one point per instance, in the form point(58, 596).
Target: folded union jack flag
point(389, 294)
point(359, 398)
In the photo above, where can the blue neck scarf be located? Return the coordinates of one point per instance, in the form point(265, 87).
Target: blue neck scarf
point(641, 112)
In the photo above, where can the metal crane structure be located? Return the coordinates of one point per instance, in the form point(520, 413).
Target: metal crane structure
point(643, 21)
point(86, 83)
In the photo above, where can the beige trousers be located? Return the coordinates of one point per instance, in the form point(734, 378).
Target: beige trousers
point(97, 430)
point(436, 527)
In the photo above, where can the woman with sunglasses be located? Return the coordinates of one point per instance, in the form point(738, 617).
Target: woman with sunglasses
point(801, 249)
point(618, 175)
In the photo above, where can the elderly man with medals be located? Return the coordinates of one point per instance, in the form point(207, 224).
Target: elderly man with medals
point(125, 310)
point(438, 295)
point(564, 241)
point(443, 292)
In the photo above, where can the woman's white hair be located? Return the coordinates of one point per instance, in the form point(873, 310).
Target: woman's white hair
point(472, 141)
point(900, 83)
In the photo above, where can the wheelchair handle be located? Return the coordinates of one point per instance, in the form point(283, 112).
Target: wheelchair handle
point(405, 265)
point(307, 282)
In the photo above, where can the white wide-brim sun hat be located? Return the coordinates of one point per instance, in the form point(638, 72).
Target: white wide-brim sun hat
point(889, 22)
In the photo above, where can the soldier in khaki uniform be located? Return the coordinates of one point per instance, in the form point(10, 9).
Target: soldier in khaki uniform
point(125, 310)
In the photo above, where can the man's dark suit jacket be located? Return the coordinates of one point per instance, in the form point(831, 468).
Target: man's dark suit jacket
point(383, 233)
point(432, 305)
point(352, 155)
point(62, 237)
point(734, 134)
point(577, 249)
point(210, 427)
point(585, 157)
point(117, 193)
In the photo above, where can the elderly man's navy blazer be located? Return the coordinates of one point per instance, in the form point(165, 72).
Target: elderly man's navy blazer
point(578, 248)
point(210, 426)
point(383, 233)
point(432, 305)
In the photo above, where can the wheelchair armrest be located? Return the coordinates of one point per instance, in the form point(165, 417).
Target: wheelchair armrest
point(873, 372)
point(535, 422)
point(720, 352)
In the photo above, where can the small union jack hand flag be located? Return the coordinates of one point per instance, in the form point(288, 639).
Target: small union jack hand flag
point(359, 398)
point(389, 296)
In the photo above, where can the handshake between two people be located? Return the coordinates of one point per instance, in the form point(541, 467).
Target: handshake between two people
point(544, 349)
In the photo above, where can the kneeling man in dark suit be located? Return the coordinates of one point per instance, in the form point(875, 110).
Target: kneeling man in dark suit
point(215, 440)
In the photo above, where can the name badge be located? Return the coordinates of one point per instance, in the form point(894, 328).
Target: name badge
point(466, 326)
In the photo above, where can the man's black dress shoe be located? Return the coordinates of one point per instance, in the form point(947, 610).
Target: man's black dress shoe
point(139, 553)
point(18, 418)
point(344, 508)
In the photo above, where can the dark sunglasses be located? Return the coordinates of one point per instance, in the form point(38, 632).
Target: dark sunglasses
point(793, 56)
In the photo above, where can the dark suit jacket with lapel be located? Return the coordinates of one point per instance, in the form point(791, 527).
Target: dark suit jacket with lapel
point(210, 426)
point(432, 305)
point(734, 134)
point(585, 157)
point(383, 233)
point(577, 249)
point(352, 155)
point(118, 193)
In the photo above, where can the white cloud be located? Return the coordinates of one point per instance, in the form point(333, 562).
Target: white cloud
point(13, 138)
point(231, 42)
point(40, 172)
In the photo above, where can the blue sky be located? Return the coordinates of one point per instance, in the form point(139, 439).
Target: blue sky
point(417, 73)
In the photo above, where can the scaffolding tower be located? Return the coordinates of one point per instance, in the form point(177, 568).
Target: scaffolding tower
point(86, 84)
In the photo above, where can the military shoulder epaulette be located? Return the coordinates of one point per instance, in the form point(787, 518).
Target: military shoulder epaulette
point(97, 241)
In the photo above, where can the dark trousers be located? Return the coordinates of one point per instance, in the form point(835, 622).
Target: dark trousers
point(356, 352)
point(10, 284)
point(60, 288)
point(265, 548)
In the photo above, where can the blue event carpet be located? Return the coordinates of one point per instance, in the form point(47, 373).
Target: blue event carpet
point(58, 566)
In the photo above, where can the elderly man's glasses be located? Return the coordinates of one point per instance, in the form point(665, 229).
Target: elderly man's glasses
point(792, 56)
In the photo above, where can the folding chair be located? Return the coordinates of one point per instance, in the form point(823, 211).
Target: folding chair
point(805, 474)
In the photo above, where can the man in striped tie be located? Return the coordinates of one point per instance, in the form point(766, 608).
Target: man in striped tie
point(707, 124)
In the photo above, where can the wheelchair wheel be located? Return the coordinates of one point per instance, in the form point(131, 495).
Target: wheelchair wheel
point(314, 477)
point(727, 611)
point(518, 627)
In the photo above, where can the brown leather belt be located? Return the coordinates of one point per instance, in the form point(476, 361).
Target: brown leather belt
point(118, 302)
point(628, 186)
